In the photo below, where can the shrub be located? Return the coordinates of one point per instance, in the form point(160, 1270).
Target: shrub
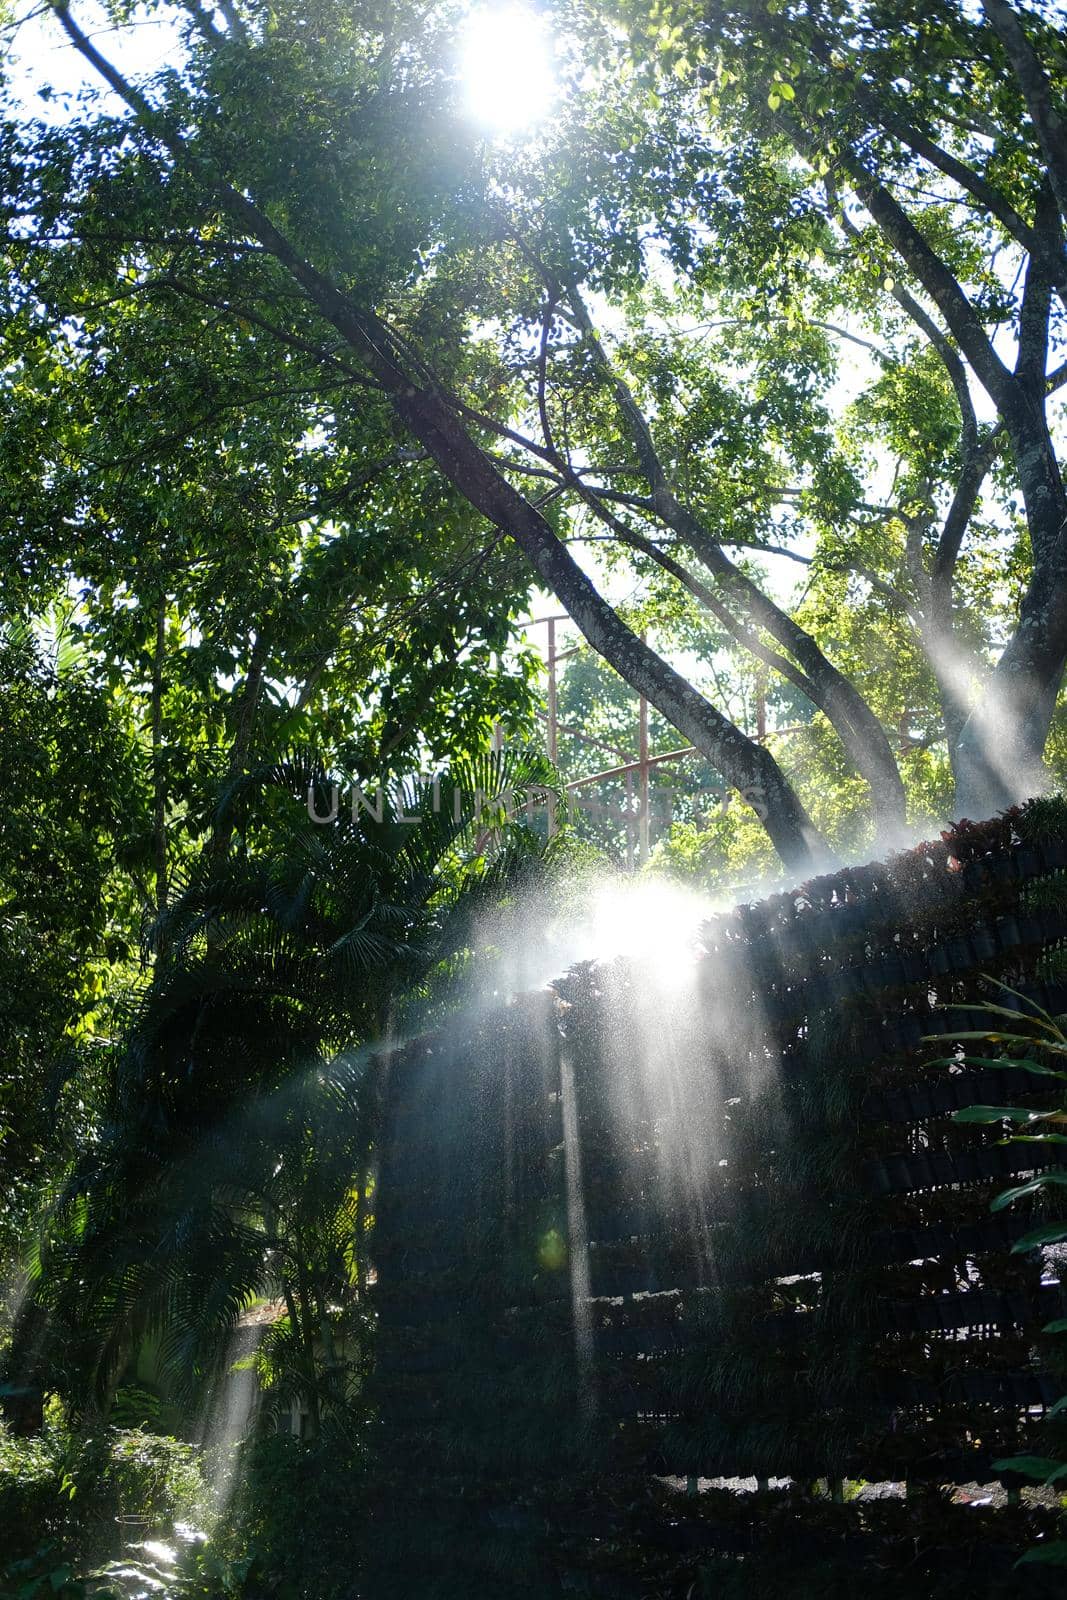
point(296, 1523)
point(62, 1493)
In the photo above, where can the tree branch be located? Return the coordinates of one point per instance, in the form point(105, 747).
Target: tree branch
point(1049, 125)
point(1035, 310)
point(852, 719)
point(745, 636)
point(939, 283)
point(950, 359)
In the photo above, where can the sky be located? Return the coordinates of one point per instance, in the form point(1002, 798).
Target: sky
point(42, 57)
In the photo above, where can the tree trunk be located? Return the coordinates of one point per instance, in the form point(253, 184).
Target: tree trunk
point(1003, 740)
point(744, 764)
point(159, 823)
point(1049, 125)
point(247, 706)
point(1005, 735)
point(849, 715)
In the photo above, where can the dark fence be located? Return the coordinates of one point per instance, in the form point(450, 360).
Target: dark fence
point(665, 1223)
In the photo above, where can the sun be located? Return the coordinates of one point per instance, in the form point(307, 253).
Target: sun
point(506, 68)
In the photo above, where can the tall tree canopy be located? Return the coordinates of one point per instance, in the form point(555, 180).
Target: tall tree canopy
point(310, 291)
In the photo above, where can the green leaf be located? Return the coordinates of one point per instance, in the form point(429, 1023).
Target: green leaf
point(986, 1007)
point(996, 1114)
point(1032, 1186)
point(1035, 1067)
point(1038, 1467)
point(1049, 1233)
point(1040, 1015)
point(1053, 1554)
point(990, 1036)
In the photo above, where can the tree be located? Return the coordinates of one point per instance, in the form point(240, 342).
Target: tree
point(403, 306)
point(232, 1155)
point(243, 553)
point(423, 412)
point(918, 151)
point(74, 791)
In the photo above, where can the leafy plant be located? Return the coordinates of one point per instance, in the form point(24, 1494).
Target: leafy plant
point(62, 1494)
point(1028, 1040)
point(233, 1158)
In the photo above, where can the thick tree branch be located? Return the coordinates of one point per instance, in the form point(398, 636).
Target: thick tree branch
point(950, 358)
point(1049, 125)
point(855, 724)
point(939, 283)
point(976, 464)
point(1032, 359)
point(745, 636)
point(958, 171)
point(1020, 406)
